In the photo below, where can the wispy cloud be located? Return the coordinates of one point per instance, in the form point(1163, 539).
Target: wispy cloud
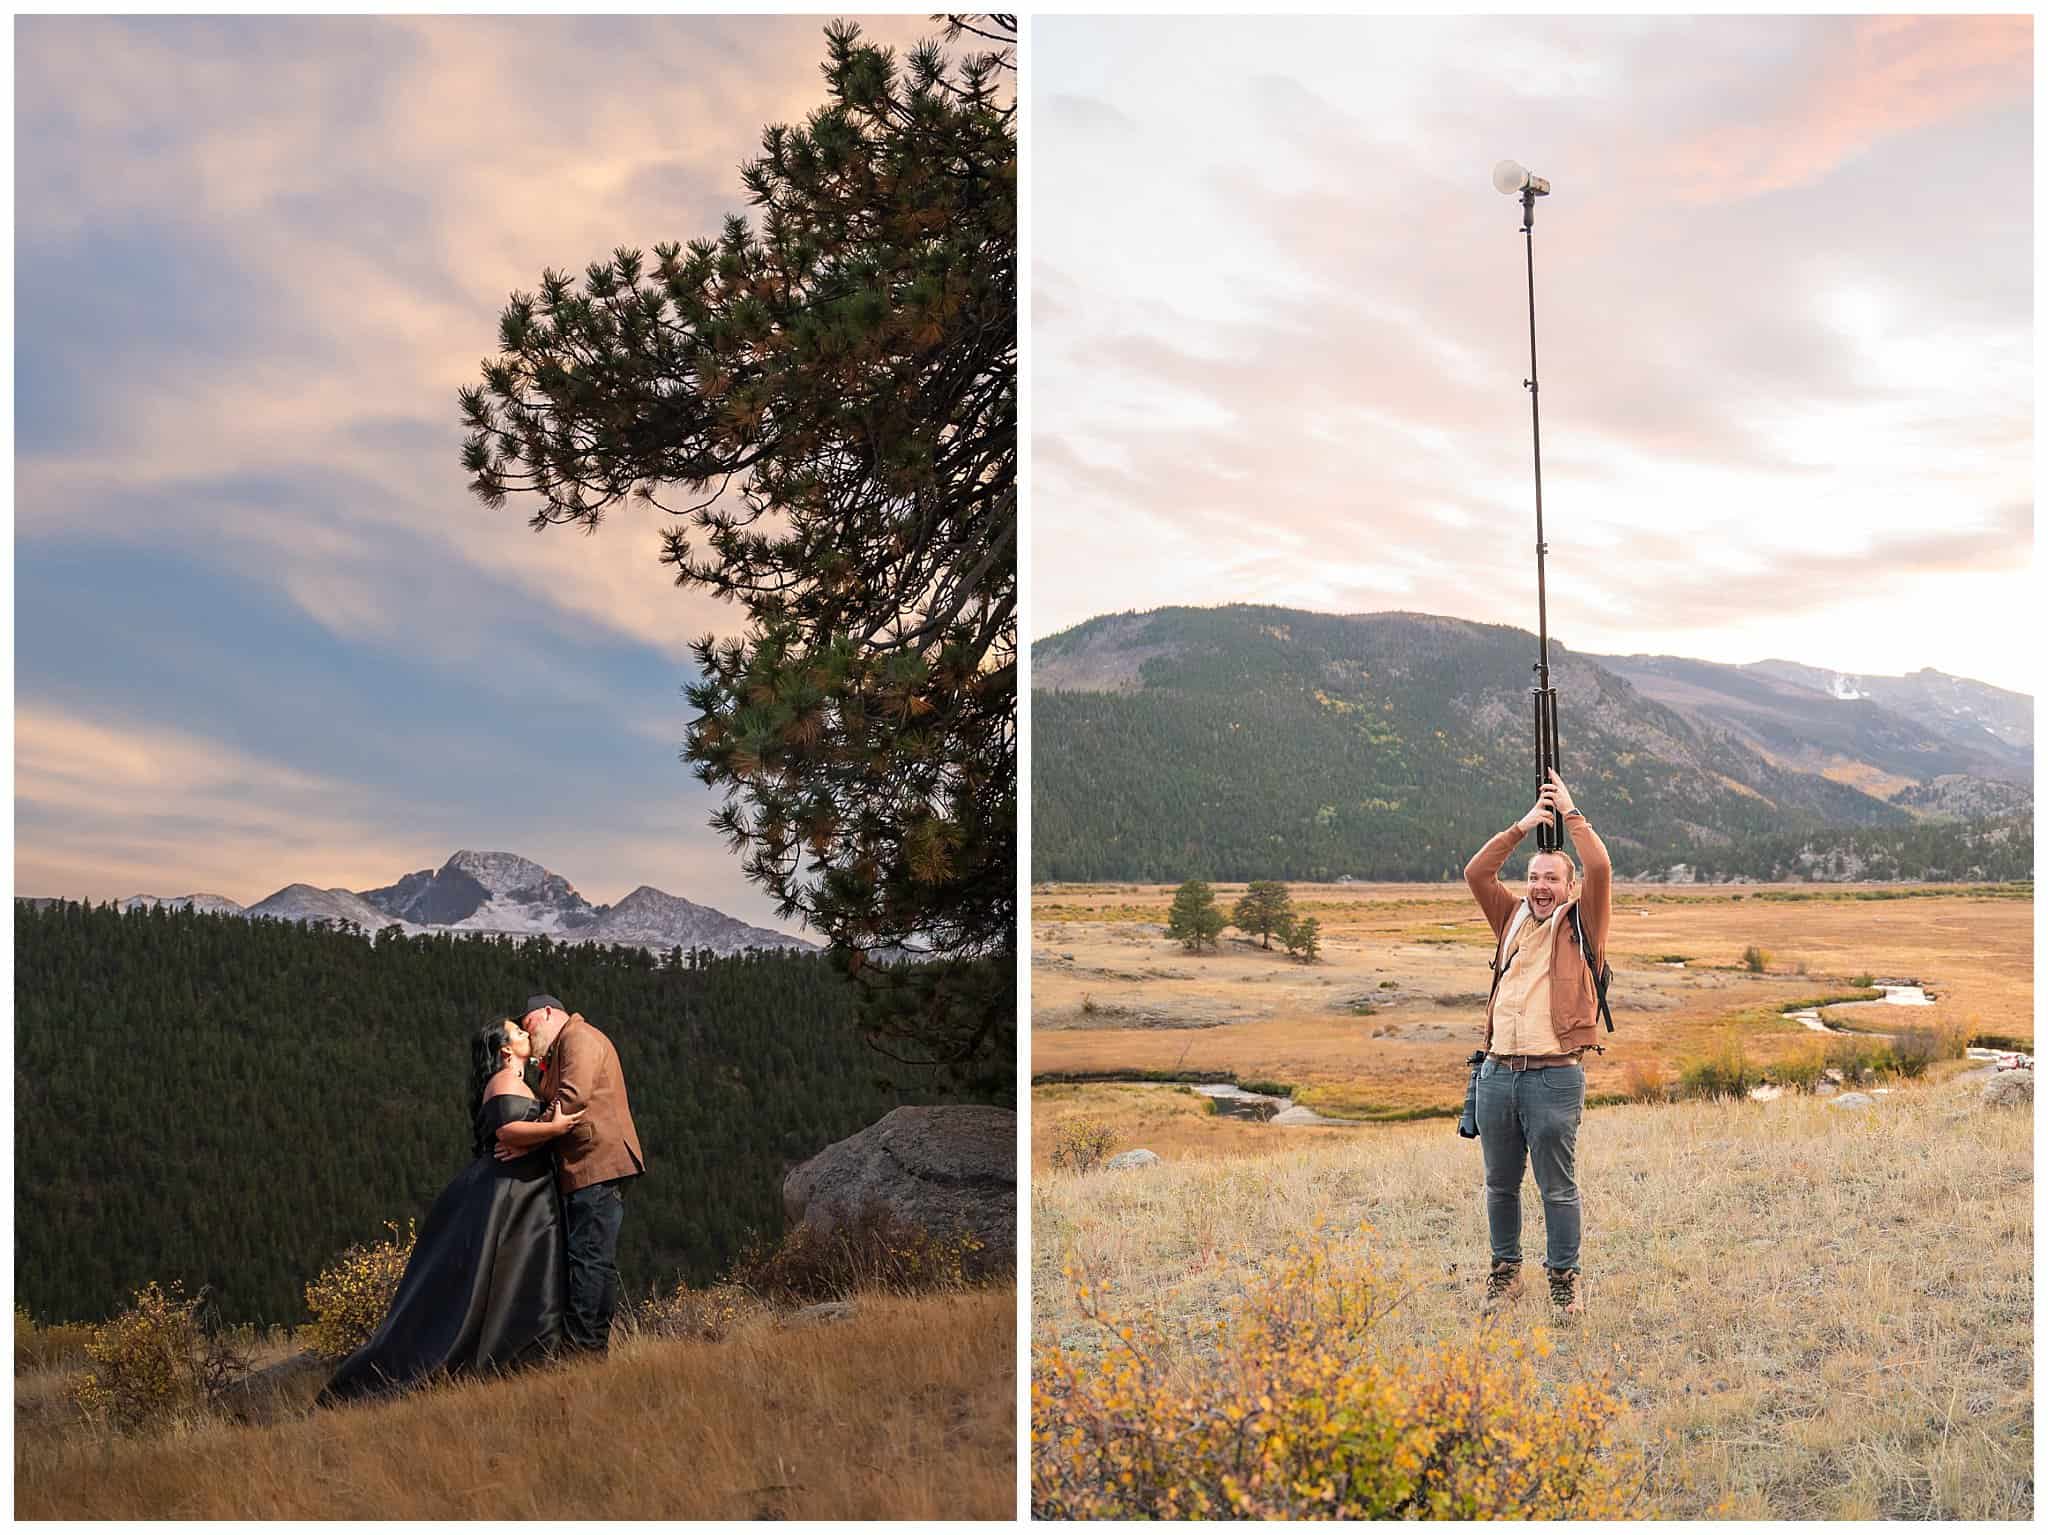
point(347, 205)
point(256, 258)
point(116, 808)
point(1282, 330)
point(1893, 77)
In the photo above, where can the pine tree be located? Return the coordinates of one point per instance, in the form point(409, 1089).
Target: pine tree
point(1265, 908)
point(835, 389)
point(1195, 919)
point(1303, 937)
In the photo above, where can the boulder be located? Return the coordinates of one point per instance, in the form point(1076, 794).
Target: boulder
point(1124, 1161)
point(2009, 1087)
point(1852, 1101)
point(947, 1169)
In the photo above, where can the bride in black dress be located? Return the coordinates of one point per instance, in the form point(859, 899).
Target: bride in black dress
point(484, 1287)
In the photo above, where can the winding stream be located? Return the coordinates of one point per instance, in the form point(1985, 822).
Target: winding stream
point(1895, 996)
point(1234, 1100)
point(1237, 1101)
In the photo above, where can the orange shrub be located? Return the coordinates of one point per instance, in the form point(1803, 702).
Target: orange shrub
point(1305, 1413)
point(1644, 1082)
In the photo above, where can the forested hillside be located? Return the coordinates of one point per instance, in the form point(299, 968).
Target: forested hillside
point(232, 1103)
point(1266, 743)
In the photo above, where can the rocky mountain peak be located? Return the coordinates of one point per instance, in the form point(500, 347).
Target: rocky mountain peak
point(499, 873)
point(498, 892)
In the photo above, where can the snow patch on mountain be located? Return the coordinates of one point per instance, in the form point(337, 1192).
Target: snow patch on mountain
point(526, 914)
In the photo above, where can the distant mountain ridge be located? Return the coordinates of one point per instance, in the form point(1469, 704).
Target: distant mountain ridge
point(504, 893)
point(1256, 742)
point(1880, 734)
point(1960, 705)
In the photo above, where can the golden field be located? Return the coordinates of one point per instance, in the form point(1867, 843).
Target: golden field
point(1811, 1312)
point(905, 1411)
point(1381, 1024)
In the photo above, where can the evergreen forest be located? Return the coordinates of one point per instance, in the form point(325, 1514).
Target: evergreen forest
point(1251, 743)
point(232, 1102)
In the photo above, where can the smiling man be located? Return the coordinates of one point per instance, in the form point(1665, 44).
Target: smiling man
point(1542, 1016)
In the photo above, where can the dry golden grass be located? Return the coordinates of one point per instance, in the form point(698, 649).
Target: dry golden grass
point(1174, 1123)
point(1415, 956)
point(1819, 1312)
point(907, 1411)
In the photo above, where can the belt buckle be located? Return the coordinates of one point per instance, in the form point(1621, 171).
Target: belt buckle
point(1518, 1063)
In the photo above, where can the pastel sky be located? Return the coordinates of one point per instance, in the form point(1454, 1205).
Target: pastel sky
point(263, 632)
point(1784, 324)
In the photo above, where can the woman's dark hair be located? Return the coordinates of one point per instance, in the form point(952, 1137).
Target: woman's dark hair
point(484, 1061)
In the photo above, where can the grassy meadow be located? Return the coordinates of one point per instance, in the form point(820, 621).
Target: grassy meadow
point(907, 1410)
point(1379, 1026)
point(1810, 1312)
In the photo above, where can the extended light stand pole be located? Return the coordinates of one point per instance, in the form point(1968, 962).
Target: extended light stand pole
point(1511, 178)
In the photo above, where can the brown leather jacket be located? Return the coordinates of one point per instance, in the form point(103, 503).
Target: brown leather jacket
point(1574, 1001)
point(583, 1073)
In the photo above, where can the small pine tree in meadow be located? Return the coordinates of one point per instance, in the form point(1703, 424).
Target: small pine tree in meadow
point(1265, 908)
point(1304, 939)
point(1195, 918)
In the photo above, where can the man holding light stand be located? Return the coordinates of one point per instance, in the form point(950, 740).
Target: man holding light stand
point(1528, 1089)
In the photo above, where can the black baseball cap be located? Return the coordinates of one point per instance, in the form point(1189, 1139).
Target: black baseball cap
point(535, 1004)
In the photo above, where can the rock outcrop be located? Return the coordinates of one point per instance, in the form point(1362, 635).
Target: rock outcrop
point(948, 1169)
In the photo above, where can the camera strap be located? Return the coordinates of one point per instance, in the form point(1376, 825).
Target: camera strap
point(1601, 974)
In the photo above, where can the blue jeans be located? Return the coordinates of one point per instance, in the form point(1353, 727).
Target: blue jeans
point(593, 1216)
point(1532, 1117)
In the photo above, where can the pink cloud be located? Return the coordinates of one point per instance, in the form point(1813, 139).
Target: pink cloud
point(1893, 76)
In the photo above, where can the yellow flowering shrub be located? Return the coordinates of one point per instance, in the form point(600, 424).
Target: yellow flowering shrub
point(1305, 1413)
point(1080, 1145)
point(146, 1365)
point(353, 1292)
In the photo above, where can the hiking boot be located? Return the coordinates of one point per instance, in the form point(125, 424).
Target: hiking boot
point(1503, 1284)
point(1564, 1291)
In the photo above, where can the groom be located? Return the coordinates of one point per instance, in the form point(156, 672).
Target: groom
point(580, 1070)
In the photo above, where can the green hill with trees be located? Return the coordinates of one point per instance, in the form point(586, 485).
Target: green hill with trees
point(1248, 743)
point(232, 1103)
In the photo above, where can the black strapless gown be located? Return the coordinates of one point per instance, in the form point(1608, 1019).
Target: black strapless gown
point(484, 1289)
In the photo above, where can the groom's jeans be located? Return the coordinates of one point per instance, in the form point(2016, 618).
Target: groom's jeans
point(594, 1214)
point(1532, 1116)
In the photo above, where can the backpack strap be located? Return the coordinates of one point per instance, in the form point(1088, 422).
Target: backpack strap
point(1601, 973)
